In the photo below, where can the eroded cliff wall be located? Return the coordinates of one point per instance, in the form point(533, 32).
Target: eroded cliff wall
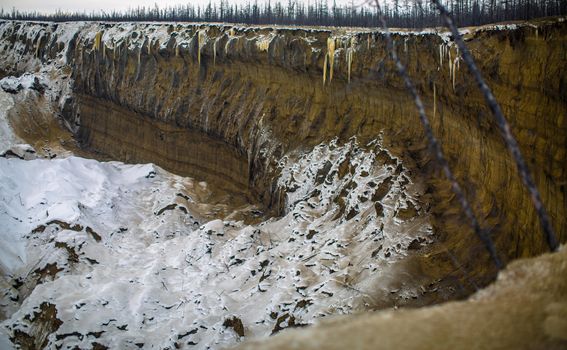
point(266, 92)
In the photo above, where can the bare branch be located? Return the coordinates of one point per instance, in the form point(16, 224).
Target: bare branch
point(504, 127)
point(436, 147)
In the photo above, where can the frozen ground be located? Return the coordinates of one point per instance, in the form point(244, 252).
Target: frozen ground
point(525, 308)
point(122, 255)
point(126, 256)
point(106, 254)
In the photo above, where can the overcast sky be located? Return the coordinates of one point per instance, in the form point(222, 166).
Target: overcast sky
point(107, 5)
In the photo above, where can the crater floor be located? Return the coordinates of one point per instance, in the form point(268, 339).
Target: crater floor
point(129, 255)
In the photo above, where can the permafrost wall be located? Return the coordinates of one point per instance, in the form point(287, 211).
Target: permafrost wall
point(266, 92)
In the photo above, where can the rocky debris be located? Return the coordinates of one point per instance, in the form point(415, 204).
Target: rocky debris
point(236, 324)
point(41, 322)
point(95, 235)
point(11, 86)
point(285, 321)
point(283, 272)
point(21, 151)
point(167, 207)
point(14, 85)
point(524, 309)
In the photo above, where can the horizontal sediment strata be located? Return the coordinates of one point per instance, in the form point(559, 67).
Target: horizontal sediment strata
point(133, 138)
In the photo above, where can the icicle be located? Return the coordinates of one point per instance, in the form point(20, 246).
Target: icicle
point(200, 43)
point(199, 48)
point(215, 52)
point(97, 40)
point(450, 66)
point(536, 33)
point(331, 53)
point(444, 50)
point(454, 73)
point(349, 62)
point(455, 68)
point(350, 53)
point(434, 101)
point(406, 45)
point(458, 59)
point(176, 50)
point(231, 32)
point(38, 46)
point(325, 69)
point(103, 50)
point(226, 45)
point(368, 41)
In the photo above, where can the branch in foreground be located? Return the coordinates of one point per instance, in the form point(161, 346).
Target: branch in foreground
point(504, 127)
point(436, 147)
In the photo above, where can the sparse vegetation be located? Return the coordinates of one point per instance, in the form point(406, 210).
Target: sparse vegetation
point(398, 13)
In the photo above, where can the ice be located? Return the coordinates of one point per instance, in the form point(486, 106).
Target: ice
point(201, 39)
point(22, 151)
point(331, 55)
point(151, 277)
point(350, 55)
point(97, 41)
point(7, 136)
point(133, 258)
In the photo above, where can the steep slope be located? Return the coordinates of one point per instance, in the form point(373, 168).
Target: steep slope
point(524, 309)
point(105, 254)
point(271, 113)
point(270, 91)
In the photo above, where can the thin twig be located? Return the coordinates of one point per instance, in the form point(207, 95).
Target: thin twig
point(436, 147)
point(504, 127)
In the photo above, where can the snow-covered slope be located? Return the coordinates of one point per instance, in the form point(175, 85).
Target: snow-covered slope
point(107, 254)
point(120, 255)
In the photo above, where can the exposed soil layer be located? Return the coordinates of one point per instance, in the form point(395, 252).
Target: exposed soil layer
point(134, 138)
point(266, 92)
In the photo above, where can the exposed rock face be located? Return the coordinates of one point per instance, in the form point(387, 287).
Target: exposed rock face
point(267, 92)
